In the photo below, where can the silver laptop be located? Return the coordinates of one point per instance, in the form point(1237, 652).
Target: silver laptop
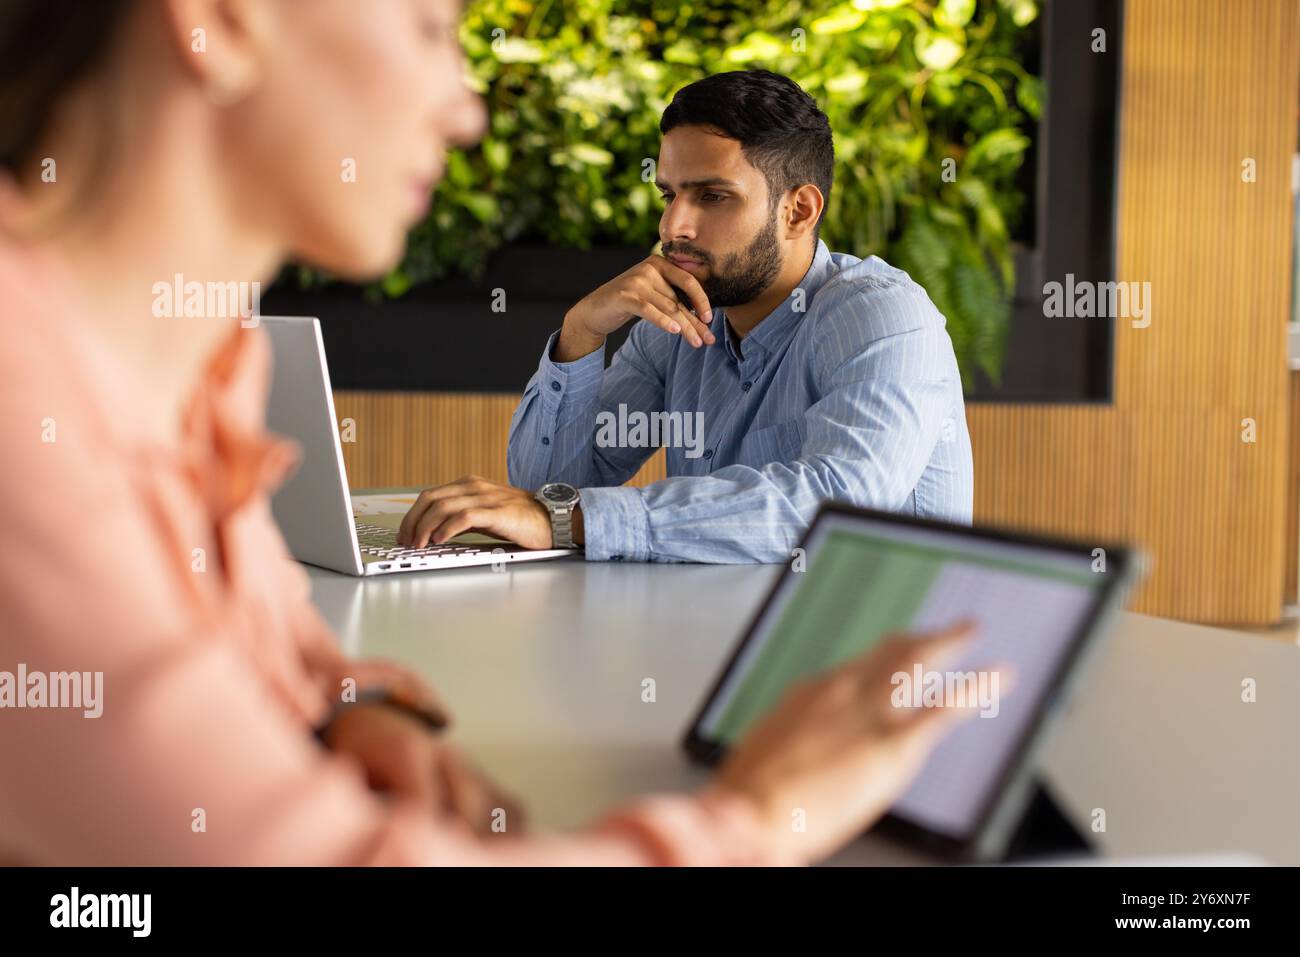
point(313, 508)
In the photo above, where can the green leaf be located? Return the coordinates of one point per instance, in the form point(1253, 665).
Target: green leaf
point(943, 91)
point(591, 155)
point(395, 284)
point(841, 19)
point(997, 147)
point(482, 206)
point(683, 51)
point(497, 154)
point(1023, 12)
point(639, 200)
point(880, 36)
point(938, 51)
point(849, 82)
point(976, 193)
point(517, 50)
point(757, 46)
point(946, 215)
point(459, 172)
point(1029, 94)
point(984, 310)
point(954, 13)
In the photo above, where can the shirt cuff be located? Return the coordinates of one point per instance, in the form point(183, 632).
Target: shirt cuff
point(615, 525)
point(574, 380)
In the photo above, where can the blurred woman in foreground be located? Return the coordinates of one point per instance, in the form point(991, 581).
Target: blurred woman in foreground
point(145, 140)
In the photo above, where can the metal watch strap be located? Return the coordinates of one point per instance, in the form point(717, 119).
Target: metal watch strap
point(561, 526)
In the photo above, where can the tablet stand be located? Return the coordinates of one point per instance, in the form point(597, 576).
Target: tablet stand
point(1046, 832)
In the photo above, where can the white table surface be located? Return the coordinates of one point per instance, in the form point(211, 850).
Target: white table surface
point(542, 665)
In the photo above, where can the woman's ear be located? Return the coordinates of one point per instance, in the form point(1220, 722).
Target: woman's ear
point(222, 43)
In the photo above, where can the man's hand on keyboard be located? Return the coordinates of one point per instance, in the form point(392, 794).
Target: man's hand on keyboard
point(476, 504)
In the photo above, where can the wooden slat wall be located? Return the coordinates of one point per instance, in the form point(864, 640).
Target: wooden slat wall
point(1206, 85)
point(426, 438)
point(1291, 541)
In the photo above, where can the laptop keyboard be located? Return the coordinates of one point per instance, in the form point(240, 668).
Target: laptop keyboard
point(379, 542)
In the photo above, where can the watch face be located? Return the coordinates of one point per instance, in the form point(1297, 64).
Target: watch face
point(559, 493)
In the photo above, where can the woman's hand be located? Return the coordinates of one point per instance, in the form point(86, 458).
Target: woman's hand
point(403, 757)
point(836, 752)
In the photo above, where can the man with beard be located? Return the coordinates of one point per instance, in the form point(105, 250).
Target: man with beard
point(811, 375)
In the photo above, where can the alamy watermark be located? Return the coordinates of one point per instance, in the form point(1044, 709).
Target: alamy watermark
point(1103, 300)
point(75, 909)
point(640, 430)
point(946, 689)
point(182, 299)
point(54, 689)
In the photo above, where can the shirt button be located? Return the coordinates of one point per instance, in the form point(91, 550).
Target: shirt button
point(708, 453)
point(555, 386)
point(745, 386)
point(546, 440)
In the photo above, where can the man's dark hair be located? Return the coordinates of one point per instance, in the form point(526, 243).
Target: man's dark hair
point(781, 130)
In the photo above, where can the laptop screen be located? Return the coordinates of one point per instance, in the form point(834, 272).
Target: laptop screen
point(863, 579)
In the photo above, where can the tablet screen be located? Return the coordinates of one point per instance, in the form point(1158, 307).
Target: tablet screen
point(864, 579)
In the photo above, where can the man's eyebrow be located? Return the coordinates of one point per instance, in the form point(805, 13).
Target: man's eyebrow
point(696, 183)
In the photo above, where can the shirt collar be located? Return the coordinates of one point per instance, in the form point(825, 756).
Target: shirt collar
point(780, 324)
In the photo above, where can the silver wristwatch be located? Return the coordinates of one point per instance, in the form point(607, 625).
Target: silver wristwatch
point(560, 499)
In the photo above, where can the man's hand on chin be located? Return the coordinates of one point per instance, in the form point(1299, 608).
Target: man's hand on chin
point(473, 504)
